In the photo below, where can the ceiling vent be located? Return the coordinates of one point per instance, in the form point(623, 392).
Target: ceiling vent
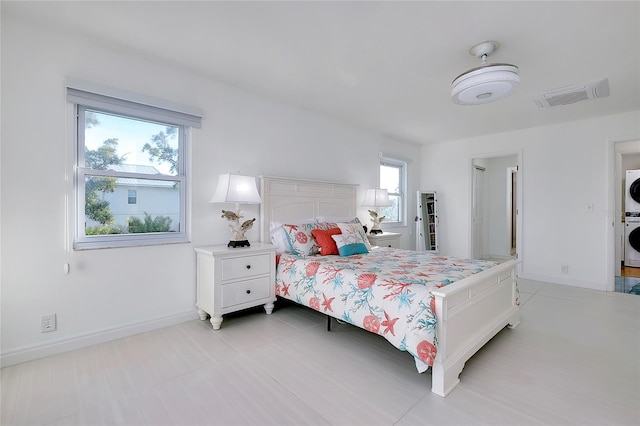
point(571, 94)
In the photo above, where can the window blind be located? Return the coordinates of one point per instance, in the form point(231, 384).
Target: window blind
point(131, 104)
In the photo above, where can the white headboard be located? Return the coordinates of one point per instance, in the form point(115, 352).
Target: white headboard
point(290, 200)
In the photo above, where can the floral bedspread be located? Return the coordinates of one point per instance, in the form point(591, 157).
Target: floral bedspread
point(386, 291)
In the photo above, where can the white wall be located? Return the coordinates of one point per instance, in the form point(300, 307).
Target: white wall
point(115, 292)
point(564, 168)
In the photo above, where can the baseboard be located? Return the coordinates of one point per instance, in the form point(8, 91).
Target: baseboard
point(30, 353)
point(592, 285)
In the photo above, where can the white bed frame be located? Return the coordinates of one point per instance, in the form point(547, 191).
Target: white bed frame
point(469, 312)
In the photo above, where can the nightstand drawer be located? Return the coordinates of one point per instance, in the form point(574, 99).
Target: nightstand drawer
point(245, 266)
point(245, 291)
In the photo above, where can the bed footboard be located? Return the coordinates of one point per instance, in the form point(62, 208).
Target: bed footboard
point(469, 313)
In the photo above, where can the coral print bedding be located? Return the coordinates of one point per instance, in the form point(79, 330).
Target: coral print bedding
point(385, 291)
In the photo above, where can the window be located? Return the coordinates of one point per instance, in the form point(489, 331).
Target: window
point(132, 196)
point(131, 176)
point(393, 179)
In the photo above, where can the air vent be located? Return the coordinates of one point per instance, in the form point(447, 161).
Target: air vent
point(571, 94)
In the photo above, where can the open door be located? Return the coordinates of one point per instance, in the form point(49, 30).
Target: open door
point(427, 222)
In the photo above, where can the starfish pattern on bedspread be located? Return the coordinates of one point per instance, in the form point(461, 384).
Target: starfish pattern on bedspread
point(386, 291)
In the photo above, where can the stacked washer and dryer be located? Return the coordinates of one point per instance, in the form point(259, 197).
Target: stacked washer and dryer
point(632, 219)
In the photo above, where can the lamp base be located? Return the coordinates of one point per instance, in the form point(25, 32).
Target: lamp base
point(242, 243)
point(375, 229)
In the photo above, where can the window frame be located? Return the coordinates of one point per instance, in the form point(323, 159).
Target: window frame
point(132, 194)
point(82, 241)
point(402, 202)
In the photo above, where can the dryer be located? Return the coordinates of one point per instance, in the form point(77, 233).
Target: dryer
point(632, 240)
point(632, 191)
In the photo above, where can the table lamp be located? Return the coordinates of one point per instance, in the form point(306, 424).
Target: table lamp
point(376, 198)
point(239, 190)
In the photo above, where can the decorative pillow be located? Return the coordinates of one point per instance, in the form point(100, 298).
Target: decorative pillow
point(325, 242)
point(355, 227)
point(300, 239)
point(349, 244)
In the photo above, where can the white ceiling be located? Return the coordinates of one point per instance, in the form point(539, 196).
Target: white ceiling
point(385, 66)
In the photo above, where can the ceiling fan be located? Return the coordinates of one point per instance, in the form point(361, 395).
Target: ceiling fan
point(486, 83)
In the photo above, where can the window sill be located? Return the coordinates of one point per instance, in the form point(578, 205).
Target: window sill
point(121, 243)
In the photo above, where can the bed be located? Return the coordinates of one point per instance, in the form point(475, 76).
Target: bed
point(439, 309)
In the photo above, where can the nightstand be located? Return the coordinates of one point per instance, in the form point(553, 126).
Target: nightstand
point(386, 239)
point(231, 279)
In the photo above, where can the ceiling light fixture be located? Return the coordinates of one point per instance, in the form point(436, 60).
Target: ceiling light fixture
point(486, 83)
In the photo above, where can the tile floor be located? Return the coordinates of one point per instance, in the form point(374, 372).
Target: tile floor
point(573, 360)
point(628, 281)
point(629, 285)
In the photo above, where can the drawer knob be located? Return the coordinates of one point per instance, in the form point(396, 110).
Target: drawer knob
point(248, 291)
point(248, 266)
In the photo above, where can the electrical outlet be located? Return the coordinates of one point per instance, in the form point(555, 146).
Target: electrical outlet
point(564, 269)
point(48, 323)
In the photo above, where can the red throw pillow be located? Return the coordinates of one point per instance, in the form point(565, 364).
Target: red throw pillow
point(324, 240)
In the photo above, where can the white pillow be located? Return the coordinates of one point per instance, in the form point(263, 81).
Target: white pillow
point(279, 238)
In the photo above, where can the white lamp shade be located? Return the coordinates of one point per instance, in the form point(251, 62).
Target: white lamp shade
point(376, 197)
point(236, 189)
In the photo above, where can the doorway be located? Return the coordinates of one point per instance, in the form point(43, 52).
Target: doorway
point(512, 208)
point(478, 213)
point(626, 278)
point(495, 199)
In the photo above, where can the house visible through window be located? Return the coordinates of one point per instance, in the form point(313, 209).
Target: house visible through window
point(131, 173)
point(393, 179)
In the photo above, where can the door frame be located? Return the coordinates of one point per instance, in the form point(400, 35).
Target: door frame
point(617, 147)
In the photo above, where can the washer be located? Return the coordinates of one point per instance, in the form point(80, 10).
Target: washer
point(632, 191)
point(632, 240)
